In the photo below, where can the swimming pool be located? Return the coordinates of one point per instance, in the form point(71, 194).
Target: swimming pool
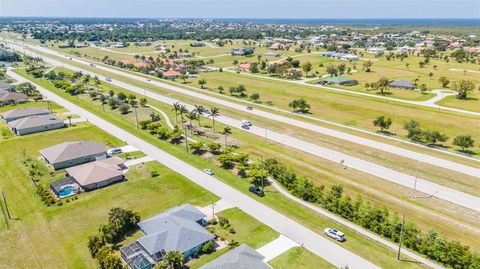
point(66, 191)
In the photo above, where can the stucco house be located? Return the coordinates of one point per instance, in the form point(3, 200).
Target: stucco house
point(19, 113)
point(35, 124)
point(7, 97)
point(179, 229)
point(98, 174)
point(403, 84)
point(69, 154)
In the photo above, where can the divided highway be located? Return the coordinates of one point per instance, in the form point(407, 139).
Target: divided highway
point(314, 242)
point(448, 194)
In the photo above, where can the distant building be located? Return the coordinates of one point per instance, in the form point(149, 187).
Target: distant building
point(36, 124)
point(179, 229)
point(242, 51)
point(98, 174)
point(171, 74)
point(19, 113)
point(339, 81)
point(69, 154)
point(328, 54)
point(241, 257)
point(197, 44)
point(349, 57)
point(406, 49)
point(404, 84)
point(271, 54)
point(376, 50)
point(244, 66)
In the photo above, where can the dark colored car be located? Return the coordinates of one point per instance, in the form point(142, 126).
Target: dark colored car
point(249, 108)
point(256, 190)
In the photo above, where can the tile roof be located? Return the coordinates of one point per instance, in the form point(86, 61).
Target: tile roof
point(24, 112)
point(35, 121)
point(97, 171)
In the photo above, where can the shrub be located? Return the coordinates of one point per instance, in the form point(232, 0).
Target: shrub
point(207, 247)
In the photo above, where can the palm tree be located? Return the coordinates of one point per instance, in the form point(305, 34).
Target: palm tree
point(199, 110)
point(183, 110)
point(172, 260)
point(226, 132)
point(96, 82)
point(235, 63)
point(192, 115)
point(176, 108)
point(214, 112)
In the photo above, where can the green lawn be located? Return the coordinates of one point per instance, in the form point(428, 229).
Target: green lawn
point(247, 230)
point(360, 245)
point(56, 237)
point(299, 257)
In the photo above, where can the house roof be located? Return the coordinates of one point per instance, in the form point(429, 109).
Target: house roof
point(97, 171)
point(176, 229)
point(35, 121)
point(186, 211)
point(337, 79)
point(244, 65)
point(171, 73)
point(12, 96)
point(72, 150)
point(402, 83)
point(242, 257)
point(4, 85)
point(24, 112)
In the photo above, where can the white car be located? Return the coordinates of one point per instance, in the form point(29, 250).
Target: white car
point(337, 235)
point(208, 172)
point(115, 151)
point(246, 123)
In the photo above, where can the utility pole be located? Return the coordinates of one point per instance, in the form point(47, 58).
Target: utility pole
point(401, 235)
point(186, 139)
point(261, 163)
point(136, 116)
point(416, 178)
point(213, 210)
point(6, 205)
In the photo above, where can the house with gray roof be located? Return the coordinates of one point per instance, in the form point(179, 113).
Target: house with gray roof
point(179, 229)
point(69, 154)
point(4, 86)
point(403, 84)
point(19, 113)
point(35, 124)
point(242, 257)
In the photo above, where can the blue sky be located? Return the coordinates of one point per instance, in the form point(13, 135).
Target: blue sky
point(244, 8)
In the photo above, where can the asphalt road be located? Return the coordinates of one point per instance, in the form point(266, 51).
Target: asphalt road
point(314, 242)
point(424, 186)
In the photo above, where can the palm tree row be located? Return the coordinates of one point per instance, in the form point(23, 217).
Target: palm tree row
point(195, 114)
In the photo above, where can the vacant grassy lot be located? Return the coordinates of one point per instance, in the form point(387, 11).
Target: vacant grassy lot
point(299, 257)
point(56, 237)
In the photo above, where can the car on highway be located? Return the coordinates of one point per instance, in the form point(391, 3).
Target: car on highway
point(246, 122)
point(249, 108)
point(256, 190)
point(208, 171)
point(92, 65)
point(108, 79)
point(115, 151)
point(149, 79)
point(337, 235)
point(246, 127)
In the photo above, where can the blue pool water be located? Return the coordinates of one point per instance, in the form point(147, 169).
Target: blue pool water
point(66, 191)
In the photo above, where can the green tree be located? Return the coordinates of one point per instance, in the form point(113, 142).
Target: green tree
point(171, 260)
point(382, 122)
point(202, 82)
point(124, 108)
point(95, 243)
point(192, 115)
point(213, 113)
point(214, 147)
point(226, 132)
point(143, 101)
point(432, 137)
point(444, 81)
point(383, 84)
point(255, 97)
point(413, 128)
point(307, 67)
point(464, 141)
point(463, 88)
point(196, 147)
point(299, 105)
point(176, 108)
point(199, 109)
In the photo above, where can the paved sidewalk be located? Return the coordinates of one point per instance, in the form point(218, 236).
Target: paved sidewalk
point(218, 206)
point(277, 247)
point(133, 162)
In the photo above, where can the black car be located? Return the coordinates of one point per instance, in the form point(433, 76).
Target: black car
point(256, 190)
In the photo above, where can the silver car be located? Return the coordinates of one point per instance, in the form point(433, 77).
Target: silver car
point(337, 235)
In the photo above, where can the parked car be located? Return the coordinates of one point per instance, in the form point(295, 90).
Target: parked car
point(256, 190)
point(246, 122)
point(115, 151)
point(337, 235)
point(208, 172)
point(249, 108)
point(108, 79)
